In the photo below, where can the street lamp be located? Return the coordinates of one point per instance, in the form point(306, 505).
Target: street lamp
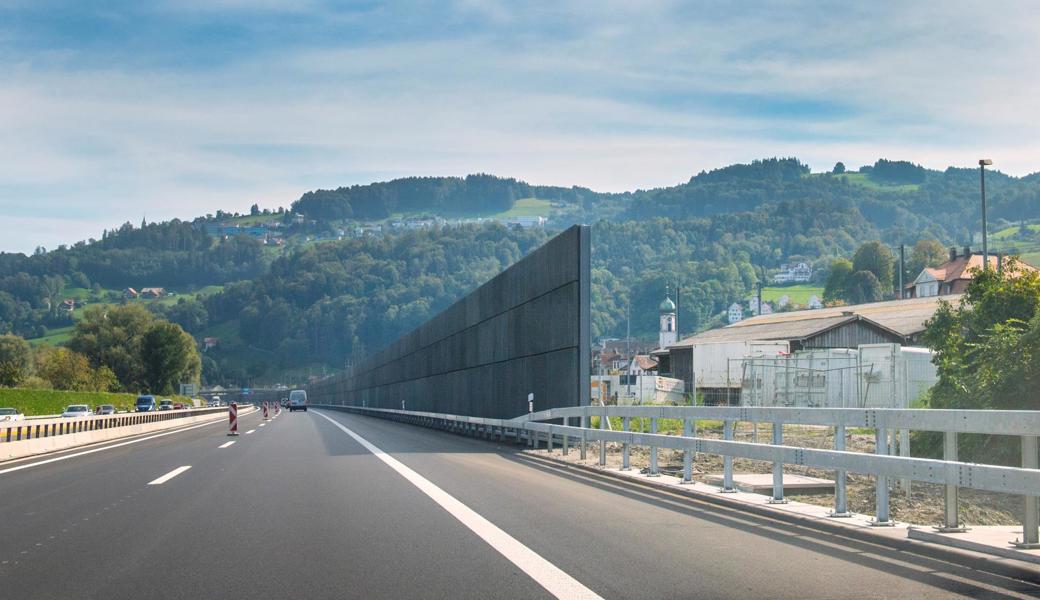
point(982, 178)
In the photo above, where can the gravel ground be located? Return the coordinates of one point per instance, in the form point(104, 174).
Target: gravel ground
point(924, 506)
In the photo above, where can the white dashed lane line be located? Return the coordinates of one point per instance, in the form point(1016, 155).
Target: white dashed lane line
point(226, 444)
point(250, 431)
point(169, 475)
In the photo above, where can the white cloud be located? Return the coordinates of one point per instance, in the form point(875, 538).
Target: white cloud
point(613, 97)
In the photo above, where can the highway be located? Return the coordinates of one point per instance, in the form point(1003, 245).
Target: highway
point(333, 505)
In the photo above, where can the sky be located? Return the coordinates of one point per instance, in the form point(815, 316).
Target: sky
point(116, 111)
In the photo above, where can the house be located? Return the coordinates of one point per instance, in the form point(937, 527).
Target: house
point(209, 342)
point(130, 293)
point(794, 273)
point(152, 292)
point(752, 302)
point(735, 313)
point(767, 308)
point(954, 275)
point(783, 301)
point(814, 302)
point(69, 304)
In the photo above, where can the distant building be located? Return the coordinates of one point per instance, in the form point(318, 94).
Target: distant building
point(953, 276)
point(130, 293)
point(783, 301)
point(814, 302)
point(767, 308)
point(153, 292)
point(209, 342)
point(527, 221)
point(794, 273)
point(68, 304)
point(752, 302)
point(735, 313)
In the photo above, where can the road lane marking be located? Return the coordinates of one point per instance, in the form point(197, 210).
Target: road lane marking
point(262, 424)
point(92, 451)
point(250, 431)
point(169, 475)
point(549, 576)
point(226, 444)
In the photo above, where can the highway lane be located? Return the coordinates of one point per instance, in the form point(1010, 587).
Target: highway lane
point(301, 509)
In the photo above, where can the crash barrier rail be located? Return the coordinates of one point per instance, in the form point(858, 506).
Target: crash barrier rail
point(17, 431)
point(1024, 480)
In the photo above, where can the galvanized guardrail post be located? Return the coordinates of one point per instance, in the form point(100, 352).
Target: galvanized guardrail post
point(1030, 534)
point(951, 518)
point(687, 458)
point(584, 438)
point(778, 467)
point(882, 518)
point(566, 438)
point(654, 472)
point(626, 424)
point(841, 500)
point(727, 460)
point(549, 441)
point(603, 443)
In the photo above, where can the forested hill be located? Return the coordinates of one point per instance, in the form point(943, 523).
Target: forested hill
point(896, 196)
point(344, 272)
point(474, 195)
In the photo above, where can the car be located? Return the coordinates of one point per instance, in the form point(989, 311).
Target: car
point(105, 409)
point(146, 403)
point(181, 406)
point(166, 404)
point(10, 414)
point(298, 400)
point(76, 410)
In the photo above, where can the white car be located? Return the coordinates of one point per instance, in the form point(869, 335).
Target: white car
point(77, 410)
point(10, 414)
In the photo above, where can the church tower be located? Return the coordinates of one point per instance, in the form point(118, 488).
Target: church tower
point(669, 333)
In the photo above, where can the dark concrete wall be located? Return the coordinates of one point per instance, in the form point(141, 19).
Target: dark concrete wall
point(525, 331)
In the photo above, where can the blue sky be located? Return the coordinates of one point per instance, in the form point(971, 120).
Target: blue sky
point(114, 110)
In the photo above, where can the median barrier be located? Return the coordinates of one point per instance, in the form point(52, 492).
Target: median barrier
point(43, 436)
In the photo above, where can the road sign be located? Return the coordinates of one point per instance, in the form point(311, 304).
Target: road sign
point(233, 418)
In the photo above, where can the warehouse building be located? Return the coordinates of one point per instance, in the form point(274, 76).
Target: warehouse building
point(894, 322)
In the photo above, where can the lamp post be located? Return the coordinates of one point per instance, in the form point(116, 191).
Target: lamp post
point(982, 180)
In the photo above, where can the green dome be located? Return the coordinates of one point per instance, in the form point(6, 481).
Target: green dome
point(667, 306)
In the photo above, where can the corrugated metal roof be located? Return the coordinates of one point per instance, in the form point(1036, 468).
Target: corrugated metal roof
point(903, 317)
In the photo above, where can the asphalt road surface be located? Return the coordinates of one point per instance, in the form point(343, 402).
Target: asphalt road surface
point(331, 505)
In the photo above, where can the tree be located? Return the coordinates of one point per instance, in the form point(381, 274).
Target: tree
point(15, 360)
point(839, 168)
point(926, 253)
point(65, 369)
point(836, 287)
point(862, 287)
point(169, 357)
point(111, 336)
point(876, 258)
point(987, 351)
point(254, 210)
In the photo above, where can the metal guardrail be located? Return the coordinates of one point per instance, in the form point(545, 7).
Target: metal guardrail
point(17, 431)
point(1024, 480)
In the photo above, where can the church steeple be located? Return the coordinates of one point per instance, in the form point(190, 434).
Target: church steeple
point(669, 333)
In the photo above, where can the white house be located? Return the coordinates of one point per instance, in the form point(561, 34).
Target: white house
point(767, 308)
point(736, 313)
point(783, 301)
point(794, 273)
point(814, 302)
point(752, 302)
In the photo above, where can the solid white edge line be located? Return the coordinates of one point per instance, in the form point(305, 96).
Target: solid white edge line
point(103, 448)
point(226, 444)
point(169, 475)
point(549, 576)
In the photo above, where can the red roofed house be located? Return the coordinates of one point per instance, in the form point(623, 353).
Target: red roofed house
point(150, 292)
point(953, 276)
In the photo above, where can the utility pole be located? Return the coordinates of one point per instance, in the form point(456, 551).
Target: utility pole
point(982, 180)
point(902, 268)
point(678, 302)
